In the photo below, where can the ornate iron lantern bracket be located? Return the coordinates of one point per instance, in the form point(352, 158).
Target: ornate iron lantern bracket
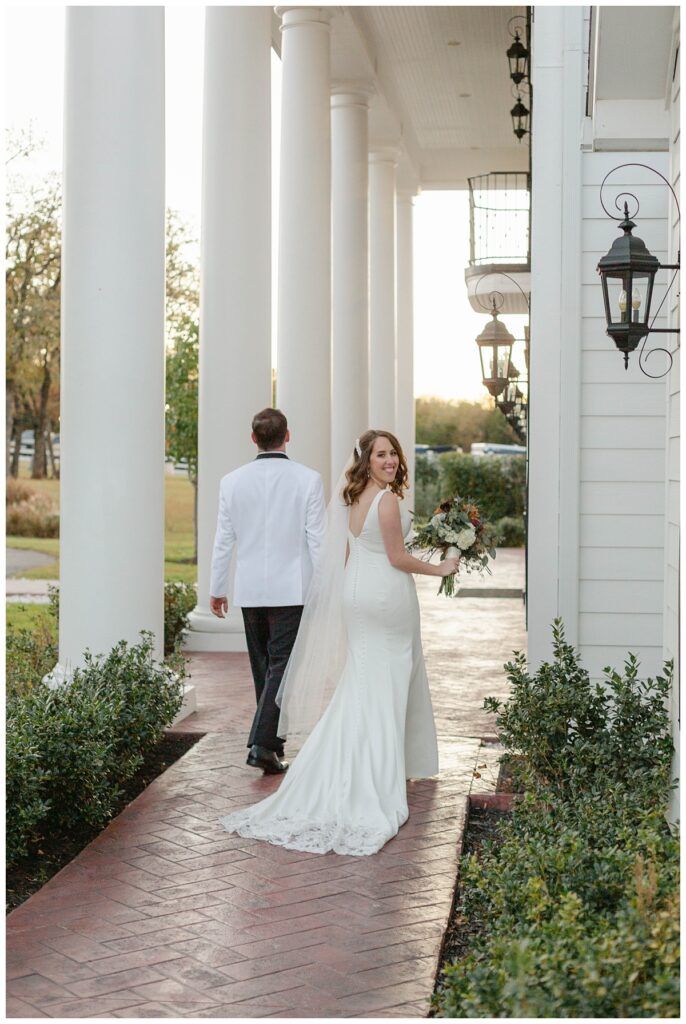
point(627, 274)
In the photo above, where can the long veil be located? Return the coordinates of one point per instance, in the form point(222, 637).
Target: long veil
point(318, 656)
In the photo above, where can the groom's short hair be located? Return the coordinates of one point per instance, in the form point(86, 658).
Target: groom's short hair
point(269, 428)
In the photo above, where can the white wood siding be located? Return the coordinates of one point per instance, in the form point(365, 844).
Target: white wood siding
point(671, 610)
point(623, 417)
point(604, 517)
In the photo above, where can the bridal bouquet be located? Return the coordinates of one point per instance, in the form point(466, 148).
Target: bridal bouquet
point(457, 529)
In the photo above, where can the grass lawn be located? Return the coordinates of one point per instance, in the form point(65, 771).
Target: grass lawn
point(178, 532)
point(51, 487)
point(28, 616)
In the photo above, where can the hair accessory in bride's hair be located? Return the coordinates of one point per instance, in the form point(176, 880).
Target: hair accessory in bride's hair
point(358, 450)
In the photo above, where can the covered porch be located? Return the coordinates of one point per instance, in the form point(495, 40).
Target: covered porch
point(378, 103)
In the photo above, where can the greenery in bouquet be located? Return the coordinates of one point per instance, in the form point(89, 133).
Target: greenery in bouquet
point(458, 524)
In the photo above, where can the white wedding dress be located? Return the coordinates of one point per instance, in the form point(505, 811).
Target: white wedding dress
point(346, 789)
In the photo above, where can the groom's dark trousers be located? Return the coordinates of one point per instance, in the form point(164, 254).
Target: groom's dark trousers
point(270, 635)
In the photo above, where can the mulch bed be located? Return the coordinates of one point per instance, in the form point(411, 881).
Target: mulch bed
point(506, 780)
point(52, 854)
point(483, 826)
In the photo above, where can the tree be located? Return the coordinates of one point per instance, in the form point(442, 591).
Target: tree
point(182, 405)
point(33, 277)
point(182, 276)
point(182, 314)
point(32, 303)
point(460, 423)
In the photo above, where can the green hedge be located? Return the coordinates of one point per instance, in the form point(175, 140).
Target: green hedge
point(510, 532)
point(579, 899)
point(427, 485)
point(70, 749)
point(497, 483)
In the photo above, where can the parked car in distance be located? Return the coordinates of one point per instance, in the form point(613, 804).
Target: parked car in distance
point(27, 445)
point(432, 450)
point(491, 448)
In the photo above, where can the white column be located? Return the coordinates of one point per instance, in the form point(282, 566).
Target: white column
point(350, 307)
point(382, 270)
point(405, 409)
point(555, 356)
point(304, 304)
point(235, 292)
point(112, 416)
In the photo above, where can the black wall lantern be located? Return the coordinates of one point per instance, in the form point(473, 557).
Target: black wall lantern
point(627, 275)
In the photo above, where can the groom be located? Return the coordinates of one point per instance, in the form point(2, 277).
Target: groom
point(272, 511)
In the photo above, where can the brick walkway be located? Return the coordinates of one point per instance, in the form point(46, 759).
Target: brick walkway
point(166, 915)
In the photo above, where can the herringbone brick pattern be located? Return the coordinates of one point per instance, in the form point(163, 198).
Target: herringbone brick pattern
point(166, 915)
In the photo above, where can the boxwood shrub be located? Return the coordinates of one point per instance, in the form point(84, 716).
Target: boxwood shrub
point(179, 599)
point(70, 749)
point(578, 901)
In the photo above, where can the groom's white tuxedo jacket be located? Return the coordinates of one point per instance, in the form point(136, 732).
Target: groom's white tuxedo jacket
point(272, 512)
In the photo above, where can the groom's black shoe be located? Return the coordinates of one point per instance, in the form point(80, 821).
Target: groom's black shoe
point(267, 760)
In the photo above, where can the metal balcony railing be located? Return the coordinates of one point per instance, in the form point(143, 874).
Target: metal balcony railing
point(499, 218)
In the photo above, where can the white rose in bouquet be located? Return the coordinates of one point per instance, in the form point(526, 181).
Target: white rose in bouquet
point(437, 520)
point(465, 538)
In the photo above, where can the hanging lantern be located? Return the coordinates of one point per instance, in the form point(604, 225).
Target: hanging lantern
point(495, 349)
point(627, 274)
point(519, 115)
point(518, 59)
point(507, 400)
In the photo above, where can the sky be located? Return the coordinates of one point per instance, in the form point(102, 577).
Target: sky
point(446, 356)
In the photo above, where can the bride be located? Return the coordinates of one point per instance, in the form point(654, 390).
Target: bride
point(355, 688)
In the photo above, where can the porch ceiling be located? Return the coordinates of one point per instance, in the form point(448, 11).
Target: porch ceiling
point(633, 54)
point(442, 86)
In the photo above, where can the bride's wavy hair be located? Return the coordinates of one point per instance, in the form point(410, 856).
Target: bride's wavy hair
point(358, 474)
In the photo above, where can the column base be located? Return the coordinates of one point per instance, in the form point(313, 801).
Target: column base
point(208, 633)
point(59, 676)
point(189, 706)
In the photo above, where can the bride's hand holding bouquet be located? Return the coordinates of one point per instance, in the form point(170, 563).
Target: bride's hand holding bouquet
point(459, 532)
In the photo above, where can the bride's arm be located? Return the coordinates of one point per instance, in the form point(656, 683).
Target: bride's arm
point(394, 542)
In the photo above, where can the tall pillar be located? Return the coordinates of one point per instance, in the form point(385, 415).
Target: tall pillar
point(350, 305)
point(235, 284)
point(405, 407)
point(303, 383)
point(555, 364)
point(112, 387)
point(382, 290)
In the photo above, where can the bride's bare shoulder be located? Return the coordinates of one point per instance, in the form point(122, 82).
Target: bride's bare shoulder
point(390, 503)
